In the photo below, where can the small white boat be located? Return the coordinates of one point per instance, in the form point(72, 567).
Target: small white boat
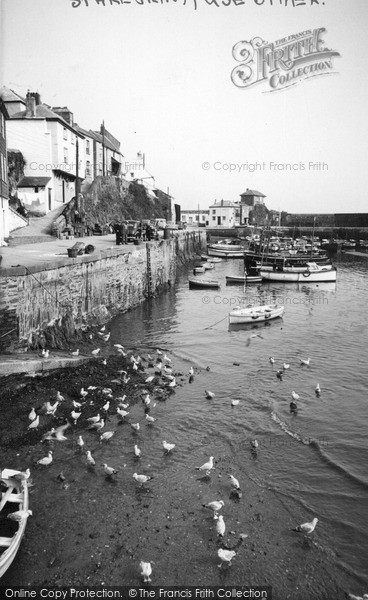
point(198, 270)
point(255, 314)
point(203, 283)
point(225, 252)
point(15, 494)
point(243, 279)
point(213, 259)
point(311, 273)
point(208, 266)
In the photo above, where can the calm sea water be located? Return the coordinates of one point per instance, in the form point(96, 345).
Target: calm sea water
point(317, 457)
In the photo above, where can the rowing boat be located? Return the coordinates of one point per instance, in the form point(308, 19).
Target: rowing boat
point(14, 497)
point(203, 283)
point(256, 314)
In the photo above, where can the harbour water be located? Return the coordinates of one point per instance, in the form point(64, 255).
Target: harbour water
point(315, 459)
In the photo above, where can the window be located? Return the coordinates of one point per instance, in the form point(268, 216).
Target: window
point(203, 217)
point(197, 218)
point(88, 168)
point(65, 133)
point(213, 218)
point(223, 218)
point(72, 138)
point(87, 147)
point(65, 155)
point(213, 211)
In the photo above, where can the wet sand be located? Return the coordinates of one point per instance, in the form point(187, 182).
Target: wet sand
point(89, 530)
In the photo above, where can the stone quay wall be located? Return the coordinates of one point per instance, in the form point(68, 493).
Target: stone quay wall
point(49, 305)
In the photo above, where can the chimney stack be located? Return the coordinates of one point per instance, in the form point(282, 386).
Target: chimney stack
point(30, 105)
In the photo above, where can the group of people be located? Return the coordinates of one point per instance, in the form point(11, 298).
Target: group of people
point(144, 232)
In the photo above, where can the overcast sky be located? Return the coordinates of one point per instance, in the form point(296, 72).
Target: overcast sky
point(159, 76)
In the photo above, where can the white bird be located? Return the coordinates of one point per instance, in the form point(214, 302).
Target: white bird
point(121, 398)
point(75, 353)
point(147, 399)
point(172, 383)
point(91, 387)
point(22, 476)
point(215, 505)
point(295, 395)
point(272, 360)
point(206, 466)
point(83, 393)
point(94, 419)
point(142, 479)
point(318, 389)
point(95, 352)
point(254, 444)
point(106, 391)
point(135, 426)
point(209, 394)
point(307, 527)
point(32, 415)
point(225, 556)
point(90, 460)
point(149, 379)
point(105, 437)
point(46, 460)
point(20, 515)
point(77, 404)
point(80, 442)
point(58, 433)
point(59, 396)
point(137, 451)
point(106, 337)
point(135, 367)
point(75, 415)
point(352, 597)
point(191, 371)
point(109, 471)
point(51, 408)
point(119, 346)
point(167, 370)
point(166, 358)
point(146, 571)
point(121, 351)
point(168, 447)
point(304, 361)
point(235, 402)
point(97, 425)
point(103, 328)
point(35, 423)
point(220, 525)
point(45, 353)
point(285, 366)
point(150, 420)
point(122, 413)
point(159, 352)
point(234, 482)
point(106, 406)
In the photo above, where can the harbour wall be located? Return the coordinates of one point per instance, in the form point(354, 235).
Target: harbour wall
point(50, 305)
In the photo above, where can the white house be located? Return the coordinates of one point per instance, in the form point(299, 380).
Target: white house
point(48, 144)
point(195, 218)
point(223, 214)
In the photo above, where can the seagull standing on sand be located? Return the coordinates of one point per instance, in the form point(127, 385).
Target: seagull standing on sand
point(97, 426)
point(304, 361)
point(105, 437)
point(215, 505)
point(225, 556)
point(220, 526)
point(254, 445)
point(109, 471)
point(150, 420)
point(295, 395)
point(208, 466)
point(46, 460)
point(75, 415)
point(80, 442)
point(135, 426)
point(286, 366)
point(142, 479)
point(83, 393)
point(234, 482)
point(318, 390)
point(90, 460)
point(146, 571)
point(59, 396)
point(168, 447)
point(307, 527)
point(35, 423)
point(94, 419)
point(137, 451)
point(272, 360)
point(95, 352)
point(32, 415)
point(20, 515)
point(235, 402)
point(209, 394)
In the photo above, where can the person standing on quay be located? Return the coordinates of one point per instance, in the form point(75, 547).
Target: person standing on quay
point(124, 232)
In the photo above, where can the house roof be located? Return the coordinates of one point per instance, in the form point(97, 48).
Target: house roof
point(224, 204)
point(106, 141)
point(9, 95)
point(33, 182)
point(253, 193)
point(44, 112)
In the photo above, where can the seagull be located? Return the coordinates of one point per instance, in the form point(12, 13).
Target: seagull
point(215, 505)
point(22, 476)
point(209, 394)
point(109, 471)
point(32, 415)
point(172, 383)
point(307, 527)
point(168, 447)
point(106, 337)
point(191, 371)
point(364, 597)
point(90, 460)
point(285, 366)
point(75, 353)
point(105, 437)
point(77, 404)
point(225, 556)
point(279, 375)
point(304, 361)
point(80, 442)
point(295, 395)
point(147, 400)
point(106, 406)
point(95, 352)
point(137, 451)
point(94, 419)
point(45, 353)
point(254, 444)
point(318, 390)
point(150, 420)
point(119, 347)
point(149, 379)
point(46, 460)
point(158, 352)
point(103, 328)
point(142, 479)
point(106, 391)
point(220, 525)
point(122, 413)
point(35, 423)
point(98, 425)
point(51, 408)
point(59, 397)
point(121, 351)
point(207, 466)
point(146, 571)
point(234, 482)
point(166, 358)
point(235, 402)
point(135, 426)
point(83, 393)
point(75, 415)
point(57, 434)
point(91, 387)
point(20, 515)
point(272, 360)
point(135, 367)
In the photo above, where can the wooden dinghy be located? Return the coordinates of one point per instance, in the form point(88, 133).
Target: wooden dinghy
point(203, 283)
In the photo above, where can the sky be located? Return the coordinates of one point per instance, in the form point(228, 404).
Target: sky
point(159, 75)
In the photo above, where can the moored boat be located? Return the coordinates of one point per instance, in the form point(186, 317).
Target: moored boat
point(198, 270)
point(243, 279)
point(14, 497)
point(203, 283)
point(309, 274)
point(255, 314)
point(208, 266)
point(225, 252)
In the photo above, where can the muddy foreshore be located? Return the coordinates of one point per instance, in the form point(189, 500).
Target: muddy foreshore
point(88, 530)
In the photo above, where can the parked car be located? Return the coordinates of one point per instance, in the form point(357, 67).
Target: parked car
point(132, 232)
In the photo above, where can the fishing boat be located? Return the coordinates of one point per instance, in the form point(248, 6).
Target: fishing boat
point(311, 273)
point(243, 279)
point(255, 314)
point(14, 497)
point(203, 283)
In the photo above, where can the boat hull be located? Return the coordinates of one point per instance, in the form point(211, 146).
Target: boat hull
point(256, 314)
point(19, 496)
point(224, 253)
point(203, 283)
point(297, 277)
point(242, 279)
